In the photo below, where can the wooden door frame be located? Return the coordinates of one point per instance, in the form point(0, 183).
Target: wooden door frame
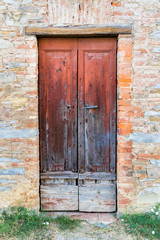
point(79, 31)
point(121, 32)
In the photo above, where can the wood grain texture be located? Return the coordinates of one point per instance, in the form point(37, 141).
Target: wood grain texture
point(58, 104)
point(99, 196)
point(78, 144)
point(97, 176)
point(97, 87)
point(64, 175)
point(79, 30)
point(59, 197)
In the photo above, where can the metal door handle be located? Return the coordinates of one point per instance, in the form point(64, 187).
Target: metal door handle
point(91, 107)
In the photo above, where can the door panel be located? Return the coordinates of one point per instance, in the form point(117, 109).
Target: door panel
point(97, 87)
point(58, 111)
point(59, 193)
point(96, 119)
point(78, 78)
point(97, 124)
point(58, 121)
point(97, 196)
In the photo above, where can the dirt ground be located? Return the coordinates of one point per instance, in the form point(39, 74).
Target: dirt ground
point(89, 231)
point(86, 231)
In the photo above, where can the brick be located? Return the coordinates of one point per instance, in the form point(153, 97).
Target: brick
point(124, 201)
point(117, 13)
point(116, 4)
point(151, 156)
point(125, 162)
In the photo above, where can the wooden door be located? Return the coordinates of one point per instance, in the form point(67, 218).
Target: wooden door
point(97, 124)
point(77, 104)
point(58, 123)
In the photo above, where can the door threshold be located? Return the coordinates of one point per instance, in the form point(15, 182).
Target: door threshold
point(105, 218)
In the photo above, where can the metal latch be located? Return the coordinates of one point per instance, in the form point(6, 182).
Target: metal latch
point(91, 107)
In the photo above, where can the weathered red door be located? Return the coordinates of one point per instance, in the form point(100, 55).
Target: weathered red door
point(77, 103)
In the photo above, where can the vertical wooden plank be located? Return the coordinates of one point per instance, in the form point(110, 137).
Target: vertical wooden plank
point(113, 111)
point(96, 133)
point(42, 111)
point(81, 112)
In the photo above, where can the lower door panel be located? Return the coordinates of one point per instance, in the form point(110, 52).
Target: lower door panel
point(97, 192)
point(97, 196)
point(59, 192)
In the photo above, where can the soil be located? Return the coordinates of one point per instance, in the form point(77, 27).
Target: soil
point(87, 231)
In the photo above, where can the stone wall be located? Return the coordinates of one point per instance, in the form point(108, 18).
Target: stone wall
point(138, 63)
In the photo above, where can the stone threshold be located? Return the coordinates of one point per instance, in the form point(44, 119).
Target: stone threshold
point(105, 218)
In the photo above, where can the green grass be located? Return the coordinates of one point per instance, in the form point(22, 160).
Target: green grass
point(65, 223)
point(143, 224)
point(19, 222)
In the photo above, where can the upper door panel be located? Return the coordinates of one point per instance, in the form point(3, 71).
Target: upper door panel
point(58, 104)
point(97, 104)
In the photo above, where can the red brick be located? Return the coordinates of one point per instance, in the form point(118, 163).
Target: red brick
point(116, 4)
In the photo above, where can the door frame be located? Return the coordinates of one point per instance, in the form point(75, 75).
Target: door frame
point(121, 33)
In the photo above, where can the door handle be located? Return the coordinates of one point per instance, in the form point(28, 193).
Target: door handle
point(91, 107)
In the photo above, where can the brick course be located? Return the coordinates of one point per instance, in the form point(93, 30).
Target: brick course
point(138, 84)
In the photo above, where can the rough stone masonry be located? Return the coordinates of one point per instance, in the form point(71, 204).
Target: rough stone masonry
point(138, 76)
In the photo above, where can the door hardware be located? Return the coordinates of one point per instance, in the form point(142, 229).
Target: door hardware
point(91, 107)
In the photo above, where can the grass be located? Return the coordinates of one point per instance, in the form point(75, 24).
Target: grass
point(65, 223)
point(20, 222)
point(143, 224)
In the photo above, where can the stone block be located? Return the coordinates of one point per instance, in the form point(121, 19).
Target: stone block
point(152, 113)
point(155, 35)
point(5, 44)
point(18, 133)
point(156, 163)
point(8, 77)
point(144, 138)
point(153, 172)
point(12, 171)
point(2, 189)
point(15, 65)
point(28, 8)
point(5, 159)
point(149, 195)
point(5, 180)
